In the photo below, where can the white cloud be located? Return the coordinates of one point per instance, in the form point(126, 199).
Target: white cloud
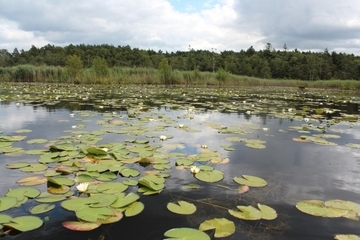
point(221, 24)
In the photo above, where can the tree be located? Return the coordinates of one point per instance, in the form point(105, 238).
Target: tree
point(165, 71)
point(74, 66)
point(100, 67)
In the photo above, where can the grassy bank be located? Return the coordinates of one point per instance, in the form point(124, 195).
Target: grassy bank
point(121, 75)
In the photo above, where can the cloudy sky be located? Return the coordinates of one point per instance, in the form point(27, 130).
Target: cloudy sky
point(172, 25)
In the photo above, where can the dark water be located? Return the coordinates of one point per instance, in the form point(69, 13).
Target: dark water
point(294, 171)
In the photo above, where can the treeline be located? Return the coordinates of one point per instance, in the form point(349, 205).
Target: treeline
point(266, 63)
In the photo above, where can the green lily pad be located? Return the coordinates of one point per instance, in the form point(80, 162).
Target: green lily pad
point(7, 203)
point(80, 226)
point(37, 140)
point(210, 176)
point(50, 198)
point(183, 208)
point(61, 181)
point(223, 227)
point(186, 234)
point(106, 176)
point(34, 167)
point(267, 212)
point(134, 209)
point(123, 201)
point(91, 214)
point(42, 208)
point(111, 187)
point(25, 223)
point(251, 181)
point(17, 165)
point(130, 182)
point(246, 213)
point(4, 218)
point(130, 172)
point(347, 237)
point(23, 131)
point(96, 151)
point(318, 208)
point(77, 203)
point(22, 192)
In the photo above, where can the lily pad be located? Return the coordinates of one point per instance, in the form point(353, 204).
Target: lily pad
point(210, 176)
point(7, 203)
point(81, 226)
point(246, 213)
point(251, 181)
point(25, 223)
point(186, 234)
point(42, 208)
point(183, 208)
point(223, 227)
point(318, 208)
point(90, 214)
point(267, 212)
point(134, 209)
point(347, 237)
point(123, 201)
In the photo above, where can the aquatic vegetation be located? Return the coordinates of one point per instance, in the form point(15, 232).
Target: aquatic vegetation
point(115, 147)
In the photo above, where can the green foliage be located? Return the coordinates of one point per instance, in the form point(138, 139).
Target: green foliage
point(165, 71)
point(74, 66)
point(100, 67)
point(222, 76)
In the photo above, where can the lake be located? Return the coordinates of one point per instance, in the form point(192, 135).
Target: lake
point(303, 143)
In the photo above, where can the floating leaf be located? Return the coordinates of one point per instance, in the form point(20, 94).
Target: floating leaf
point(123, 201)
point(210, 176)
point(96, 151)
point(186, 234)
point(318, 208)
point(267, 212)
point(17, 165)
point(90, 214)
point(34, 167)
point(37, 140)
point(111, 187)
point(7, 203)
point(42, 208)
point(191, 186)
point(183, 208)
point(223, 227)
point(134, 209)
point(22, 192)
point(347, 237)
point(32, 181)
point(81, 226)
point(251, 181)
point(246, 213)
point(24, 223)
point(4, 218)
point(130, 172)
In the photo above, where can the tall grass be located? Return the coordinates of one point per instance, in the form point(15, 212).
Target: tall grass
point(127, 75)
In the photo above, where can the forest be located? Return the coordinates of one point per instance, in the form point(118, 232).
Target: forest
point(267, 63)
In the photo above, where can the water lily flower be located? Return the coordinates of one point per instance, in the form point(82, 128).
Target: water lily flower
point(265, 129)
point(194, 169)
point(17, 104)
point(163, 137)
point(73, 126)
point(181, 125)
point(203, 146)
point(72, 114)
point(244, 101)
point(248, 112)
point(306, 119)
point(105, 149)
point(290, 109)
point(82, 187)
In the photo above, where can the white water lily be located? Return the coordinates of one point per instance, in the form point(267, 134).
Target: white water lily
point(306, 119)
point(265, 129)
point(181, 125)
point(194, 169)
point(105, 149)
point(203, 146)
point(163, 137)
point(248, 112)
point(72, 114)
point(73, 126)
point(82, 187)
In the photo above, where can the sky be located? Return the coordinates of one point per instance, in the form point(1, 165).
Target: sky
point(178, 25)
